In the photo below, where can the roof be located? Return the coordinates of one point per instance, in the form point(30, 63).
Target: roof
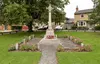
point(84, 11)
point(69, 20)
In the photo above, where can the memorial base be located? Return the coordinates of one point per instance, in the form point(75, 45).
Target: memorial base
point(50, 34)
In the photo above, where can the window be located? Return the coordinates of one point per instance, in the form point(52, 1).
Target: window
point(82, 15)
point(81, 23)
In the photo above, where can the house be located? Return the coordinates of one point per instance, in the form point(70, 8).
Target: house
point(82, 17)
point(68, 23)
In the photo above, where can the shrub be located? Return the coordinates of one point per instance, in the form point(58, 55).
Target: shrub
point(34, 47)
point(12, 48)
point(70, 37)
point(32, 36)
point(66, 36)
point(74, 27)
point(86, 48)
point(97, 27)
point(25, 47)
point(82, 28)
point(17, 28)
point(78, 41)
point(60, 48)
point(27, 39)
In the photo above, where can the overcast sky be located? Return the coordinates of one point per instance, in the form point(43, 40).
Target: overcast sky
point(82, 4)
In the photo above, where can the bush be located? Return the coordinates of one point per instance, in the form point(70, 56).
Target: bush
point(34, 47)
point(75, 40)
point(12, 48)
point(60, 48)
point(97, 27)
point(19, 28)
point(78, 41)
point(32, 36)
point(86, 48)
point(26, 39)
point(26, 47)
point(82, 28)
point(74, 27)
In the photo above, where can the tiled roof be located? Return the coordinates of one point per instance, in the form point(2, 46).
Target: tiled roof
point(84, 11)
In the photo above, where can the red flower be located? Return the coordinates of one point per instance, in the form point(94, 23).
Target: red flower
point(50, 37)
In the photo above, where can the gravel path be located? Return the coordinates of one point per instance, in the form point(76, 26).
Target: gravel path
point(64, 41)
point(34, 41)
point(67, 43)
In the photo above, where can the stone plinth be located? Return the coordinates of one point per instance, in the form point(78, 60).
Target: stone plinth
point(50, 33)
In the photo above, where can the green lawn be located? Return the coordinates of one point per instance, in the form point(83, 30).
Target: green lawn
point(16, 57)
point(82, 57)
point(63, 57)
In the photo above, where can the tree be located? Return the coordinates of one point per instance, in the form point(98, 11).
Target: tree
point(95, 16)
point(37, 9)
point(1, 3)
point(15, 14)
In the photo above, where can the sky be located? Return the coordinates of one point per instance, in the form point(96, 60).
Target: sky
point(82, 4)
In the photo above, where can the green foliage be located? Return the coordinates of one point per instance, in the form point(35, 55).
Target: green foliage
point(37, 9)
point(26, 47)
point(12, 48)
point(95, 16)
point(17, 28)
point(15, 14)
point(27, 11)
point(74, 27)
point(34, 57)
point(97, 27)
point(60, 48)
point(86, 48)
point(82, 28)
point(34, 47)
point(78, 41)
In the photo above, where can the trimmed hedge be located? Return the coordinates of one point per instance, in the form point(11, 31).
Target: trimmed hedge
point(82, 28)
point(74, 27)
point(97, 27)
point(19, 28)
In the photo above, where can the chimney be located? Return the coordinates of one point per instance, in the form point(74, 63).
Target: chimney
point(77, 9)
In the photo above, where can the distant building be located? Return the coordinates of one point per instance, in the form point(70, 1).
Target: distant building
point(69, 23)
point(82, 17)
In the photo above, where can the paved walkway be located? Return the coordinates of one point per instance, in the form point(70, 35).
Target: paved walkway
point(48, 48)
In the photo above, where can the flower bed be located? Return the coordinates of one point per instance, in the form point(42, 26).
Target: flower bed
point(81, 47)
point(24, 46)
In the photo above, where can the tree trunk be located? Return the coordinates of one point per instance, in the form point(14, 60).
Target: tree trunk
point(30, 26)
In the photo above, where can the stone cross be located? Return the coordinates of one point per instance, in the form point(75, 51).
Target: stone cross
point(50, 19)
